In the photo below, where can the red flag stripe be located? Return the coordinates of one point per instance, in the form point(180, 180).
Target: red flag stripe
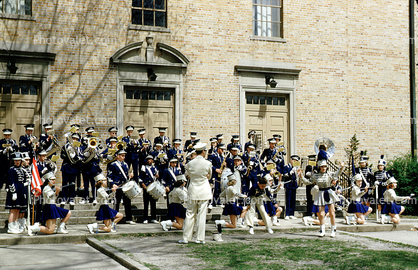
point(36, 179)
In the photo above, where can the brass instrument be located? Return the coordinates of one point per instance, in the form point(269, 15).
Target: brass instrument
point(54, 147)
point(223, 165)
point(69, 149)
point(325, 144)
point(121, 145)
point(91, 148)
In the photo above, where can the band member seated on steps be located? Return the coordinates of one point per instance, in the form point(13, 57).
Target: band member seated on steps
point(51, 212)
point(149, 174)
point(118, 175)
point(178, 196)
point(109, 216)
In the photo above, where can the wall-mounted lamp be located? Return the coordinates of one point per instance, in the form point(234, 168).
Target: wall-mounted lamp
point(151, 74)
point(270, 81)
point(11, 66)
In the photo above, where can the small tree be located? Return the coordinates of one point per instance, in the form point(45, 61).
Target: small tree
point(351, 152)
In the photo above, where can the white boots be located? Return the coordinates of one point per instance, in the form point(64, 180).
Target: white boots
point(275, 221)
point(240, 223)
point(32, 230)
point(322, 231)
point(165, 224)
point(350, 220)
point(308, 221)
point(220, 222)
point(385, 219)
point(13, 227)
point(62, 229)
point(333, 230)
point(113, 227)
point(93, 228)
point(22, 224)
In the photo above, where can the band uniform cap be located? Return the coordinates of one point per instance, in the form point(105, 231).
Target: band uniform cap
point(113, 139)
point(193, 134)
point(251, 146)
point(162, 129)
point(237, 157)
point(77, 126)
point(159, 144)
point(252, 132)
point(25, 155)
point(357, 177)
point(231, 177)
point(222, 146)
point(220, 136)
point(75, 135)
point(181, 177)
point(270, 161)
point(234, 148)
point(312, 157)
point(235, 137)
point(381, 161)
point(295, 157)
point(391, 180)
point(200, 146)
point(7, 131)
point(30, 126)
point(277, 136)
point(113, 129)
point(128, 128)
point(173, 160)
point(149, 157)
point(213, 139)
point(364, 159)
point(89, 129)
point(42, 153)
point(49, 175)
point(322, 162)
point(272, 140)
point(121, 152)
point(177, 141)
point(17, 156)
point(268, 177)
point(99, 177)
point(47, 125)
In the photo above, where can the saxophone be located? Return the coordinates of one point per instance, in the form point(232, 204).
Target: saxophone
point(223, 166)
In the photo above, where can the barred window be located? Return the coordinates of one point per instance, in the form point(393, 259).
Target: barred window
point(19, 7)
point(267, 18)
point(149, 12)
point(17, 88)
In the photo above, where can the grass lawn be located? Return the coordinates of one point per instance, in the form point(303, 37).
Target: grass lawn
point(315, 253)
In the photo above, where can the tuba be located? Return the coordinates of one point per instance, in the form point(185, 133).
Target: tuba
point(325, 144)
point(54, 147)
point(69, 150)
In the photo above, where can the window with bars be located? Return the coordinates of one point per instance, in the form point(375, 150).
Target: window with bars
point(149, 12)
point(18, 89)
point(18, 7)
point(148, 95)
point(267, 18)
point(266, 100)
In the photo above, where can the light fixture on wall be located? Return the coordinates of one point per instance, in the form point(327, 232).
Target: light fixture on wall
point(11, 66)
point(270, 81)
point(151, 74)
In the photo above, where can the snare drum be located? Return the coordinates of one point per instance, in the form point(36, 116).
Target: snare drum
point(131, 189)
point(156, 189)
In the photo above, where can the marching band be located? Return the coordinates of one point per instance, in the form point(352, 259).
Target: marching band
point(247, 179)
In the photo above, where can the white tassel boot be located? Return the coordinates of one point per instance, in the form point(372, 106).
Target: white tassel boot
point(32, 230)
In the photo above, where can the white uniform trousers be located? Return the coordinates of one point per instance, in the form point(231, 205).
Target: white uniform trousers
point(196, 212)
point(249, 217)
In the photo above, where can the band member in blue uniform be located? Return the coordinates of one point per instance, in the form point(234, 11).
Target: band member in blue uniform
point(16, 198)
point(220, 138)
point(129, 144)
point(230, 157)
point(28, 142)
point(162, 139)
point(213, 144)
point(365, 172)
point(89, 168)
point(109, 216)
point(381, 176)
point(118, 174)
point(251, 137)
point(8, 146)
point(176, 152)
point(234, 143)
point(289, 174)
point(217, 160)
point(144, 147)
point(189, 143)
point(51, 212)
point(160, 157)
point(271, 152)
point(149, 174)
point(47, 141)
point(252, 160)
point(70, 168)
point(309, 170)
point(113, 132)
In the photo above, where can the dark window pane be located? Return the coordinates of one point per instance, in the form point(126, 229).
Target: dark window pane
point(263, 100)
point(160, 95)
point(136, 16)
point(151, 95)
point(159, 4)
point(24, 89)
point(160, 19)
point(256, 28)
point(148, 17)
point(148, 3)
point(275, 101)
point(167, 95)
point(249, 99)
point(16, 89)
point(28, 7)
point(6, 88)
point(129, 94)
point(269, 100)
point(137, 3)
point(255, 100)
point(137, 94)
point(282, 101)
point(144, 95)
point(33, 90)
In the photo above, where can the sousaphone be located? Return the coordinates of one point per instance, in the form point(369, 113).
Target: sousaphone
point(325, 144)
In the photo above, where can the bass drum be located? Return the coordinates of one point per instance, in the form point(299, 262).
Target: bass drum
point(224, 178)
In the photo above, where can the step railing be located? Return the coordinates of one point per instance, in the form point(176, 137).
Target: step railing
point(345, 181)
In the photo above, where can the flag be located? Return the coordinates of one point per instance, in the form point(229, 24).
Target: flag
point(36, 180)
point(353, 168)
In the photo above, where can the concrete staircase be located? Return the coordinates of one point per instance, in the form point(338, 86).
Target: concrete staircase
point(85, 213)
